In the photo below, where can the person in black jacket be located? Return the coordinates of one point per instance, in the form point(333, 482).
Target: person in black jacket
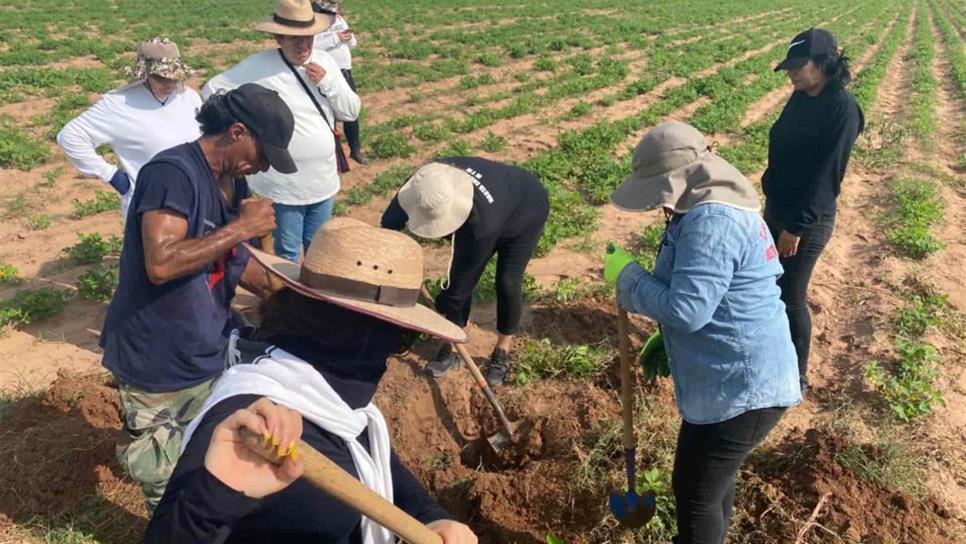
point(489, 208)
point(309, 371)
point(808, 151)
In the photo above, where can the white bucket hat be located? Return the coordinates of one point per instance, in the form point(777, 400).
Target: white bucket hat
point(374, 271)
point(674, 168)
point(438, 199)
point(295, 18)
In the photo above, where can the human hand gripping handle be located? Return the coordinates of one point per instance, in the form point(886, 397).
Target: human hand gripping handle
point(615, 260)
point(258, 217)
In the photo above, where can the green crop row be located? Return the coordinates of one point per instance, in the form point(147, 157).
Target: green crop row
point(955, 48)
point(918, 208)
point(923, 102)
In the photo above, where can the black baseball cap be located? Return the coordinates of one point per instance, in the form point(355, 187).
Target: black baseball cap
point(812, 43)
point(269, 119)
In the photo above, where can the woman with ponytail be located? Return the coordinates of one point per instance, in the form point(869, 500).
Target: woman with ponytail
point(808, 150)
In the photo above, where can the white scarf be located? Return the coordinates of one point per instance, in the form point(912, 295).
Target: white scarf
point(287, 380)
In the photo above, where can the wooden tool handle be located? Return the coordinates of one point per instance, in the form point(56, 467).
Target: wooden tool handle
point(478, 376)
point(627, 392)
point(329, 477)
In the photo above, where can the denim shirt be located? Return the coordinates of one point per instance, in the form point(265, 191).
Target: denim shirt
point(714, 292)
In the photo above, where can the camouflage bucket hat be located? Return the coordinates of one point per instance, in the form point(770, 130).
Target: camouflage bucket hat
point(160, 57)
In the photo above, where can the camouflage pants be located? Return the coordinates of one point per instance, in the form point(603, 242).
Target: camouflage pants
point(154, 425)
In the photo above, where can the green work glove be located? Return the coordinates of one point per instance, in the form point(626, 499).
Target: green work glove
point(653, 358)
point(614, 262)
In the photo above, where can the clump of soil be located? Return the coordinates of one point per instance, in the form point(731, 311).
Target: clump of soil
point(788, 482)
point(58, 452)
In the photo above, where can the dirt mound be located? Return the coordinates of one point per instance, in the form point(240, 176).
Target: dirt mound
point(58, 451)
point(803, 469)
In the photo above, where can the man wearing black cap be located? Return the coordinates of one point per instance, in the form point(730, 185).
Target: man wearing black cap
point(167, 328)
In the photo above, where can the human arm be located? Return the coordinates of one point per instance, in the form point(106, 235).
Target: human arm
point(394, 217)
point(168, 252)
point(81, 137)
point(705, 260)
point(218, 481)
point(411, 497)
point(256, 280)
point(344, 101)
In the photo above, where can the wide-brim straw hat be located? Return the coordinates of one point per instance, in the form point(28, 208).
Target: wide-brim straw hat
point(295, 18)
point(374, 271)
point(159, 57)
point(675, 168)
point(438, 199)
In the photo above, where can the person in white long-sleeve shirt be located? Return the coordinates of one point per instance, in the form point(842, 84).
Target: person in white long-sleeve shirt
point(153, 113)
point(338, 40)
point(303, 201)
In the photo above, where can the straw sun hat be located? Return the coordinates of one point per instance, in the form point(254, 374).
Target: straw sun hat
point(295, 18)
point(159, 57)
point(374, 271)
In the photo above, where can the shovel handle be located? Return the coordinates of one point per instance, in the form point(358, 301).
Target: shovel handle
point(627, 398)
point(324, 474)
point(478, 376)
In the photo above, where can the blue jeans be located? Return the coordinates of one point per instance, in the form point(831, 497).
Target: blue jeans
point(295, 226)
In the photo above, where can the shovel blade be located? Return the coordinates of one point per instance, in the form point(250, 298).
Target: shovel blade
point(633, 511)
point(500, 440)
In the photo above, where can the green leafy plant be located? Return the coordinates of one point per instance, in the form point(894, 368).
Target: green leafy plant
point(649, 245)
point(92, 248)
point(9, 275)
point(659, 481)
point(98, 283)
point(919, 313)
point(38, 222)
point(544, 359)
point(18, 149)
point(456, 148)
point(430, 132)
point(391, 145)
point(918, 206)
point(103, 201)
point(910, 390)
point(50, 176)
point(493, 143)
point(34, 305)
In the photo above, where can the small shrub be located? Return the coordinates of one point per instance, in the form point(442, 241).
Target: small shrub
point(489, 59)
point(492, 143)
point(909, 390)
point(20, 150)
point(545, 64)
point(34, 305)
point(543, 359)
point(98, 283)
point(430, 132)
point(918, 207)
point(9, 275)
point(391, 145)
point(38, 222)
point(456, 148)
point(919, 313)
point(92, 248)
point(50, 176)
point(103, 201)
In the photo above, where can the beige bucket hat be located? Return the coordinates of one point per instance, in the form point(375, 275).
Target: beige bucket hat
point(438, 199)
point(374, 271)
point(295, 18)
point(158, 56)
point(674, 168)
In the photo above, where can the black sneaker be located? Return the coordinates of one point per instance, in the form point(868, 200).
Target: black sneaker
point(359, 156)
point(499, 367)
point(445, 359)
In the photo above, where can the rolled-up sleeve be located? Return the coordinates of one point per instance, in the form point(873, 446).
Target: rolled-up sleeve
point(706, 255)
point(344, 101)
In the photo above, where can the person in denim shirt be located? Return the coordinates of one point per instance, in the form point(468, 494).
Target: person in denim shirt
point(713, 291)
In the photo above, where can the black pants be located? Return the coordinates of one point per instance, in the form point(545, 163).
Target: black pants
point(351, 128)
point(794, 282)
point(705, 464)
point(513, 250)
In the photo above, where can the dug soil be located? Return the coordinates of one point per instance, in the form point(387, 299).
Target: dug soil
point(59, 463)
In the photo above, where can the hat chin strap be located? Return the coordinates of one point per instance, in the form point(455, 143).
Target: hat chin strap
point(449, 265)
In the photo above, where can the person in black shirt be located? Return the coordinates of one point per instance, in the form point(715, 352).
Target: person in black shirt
point(808, 151)
point(489, 208)
point(166, 330)
point(309, 371)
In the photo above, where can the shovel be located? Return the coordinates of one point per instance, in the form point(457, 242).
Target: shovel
point(630, 509)
point(324, 474)
point(499, 440)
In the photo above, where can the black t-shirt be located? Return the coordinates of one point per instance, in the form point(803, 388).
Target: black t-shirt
point(173, 336)
point(507, 199)
point(808, 150)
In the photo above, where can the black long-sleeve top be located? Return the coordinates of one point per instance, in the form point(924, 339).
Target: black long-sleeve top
point(507, 199)
point(199, 508)
point(808, 150)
